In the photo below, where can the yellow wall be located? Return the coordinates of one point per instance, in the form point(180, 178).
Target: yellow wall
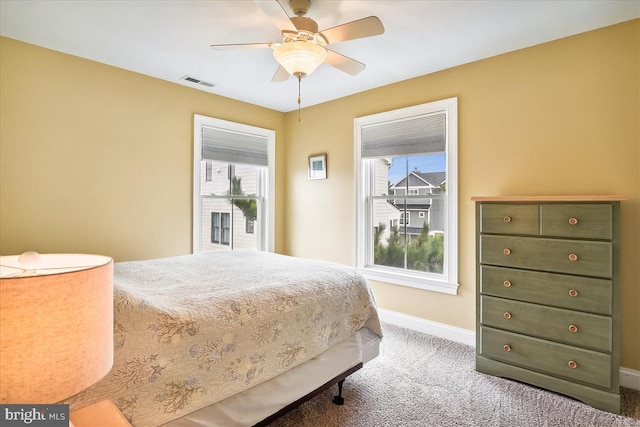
point(560, 118)
point(98, 159)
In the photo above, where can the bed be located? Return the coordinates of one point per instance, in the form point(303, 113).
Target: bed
point(232, 338)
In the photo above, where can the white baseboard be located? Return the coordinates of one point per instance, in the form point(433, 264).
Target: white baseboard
point(629, 378)
point(462, 336)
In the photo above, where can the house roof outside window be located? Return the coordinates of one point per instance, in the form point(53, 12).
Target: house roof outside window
point(421, 179)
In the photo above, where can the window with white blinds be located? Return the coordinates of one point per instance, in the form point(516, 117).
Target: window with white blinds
point(234, 147)
point(407, 136)
point(406, 177)
point(233, 184)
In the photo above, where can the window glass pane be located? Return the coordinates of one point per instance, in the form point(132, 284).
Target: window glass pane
point(219, 178)
point(429, 167)
point(246, 180)
point(246, 216)
point(425, 251)
point(229, 222)
point(381, 182)
point(388, 244)
point(409, 232)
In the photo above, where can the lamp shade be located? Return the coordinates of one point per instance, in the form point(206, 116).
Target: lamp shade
point(300, 57)
point(56, 325)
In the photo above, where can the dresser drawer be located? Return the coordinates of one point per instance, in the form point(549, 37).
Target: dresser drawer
point(562, 256)
point(576, 364)
point(588, 221)
point(509, 218)
point(570, 327)
point(577, 293)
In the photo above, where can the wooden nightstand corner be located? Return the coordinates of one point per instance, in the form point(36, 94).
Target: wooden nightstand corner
point(101, 414)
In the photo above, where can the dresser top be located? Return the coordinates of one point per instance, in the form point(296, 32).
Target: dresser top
point(593, 198)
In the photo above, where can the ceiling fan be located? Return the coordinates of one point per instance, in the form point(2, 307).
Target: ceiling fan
point(303, 48)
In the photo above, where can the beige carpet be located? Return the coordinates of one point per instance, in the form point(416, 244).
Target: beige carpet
point(421, 380)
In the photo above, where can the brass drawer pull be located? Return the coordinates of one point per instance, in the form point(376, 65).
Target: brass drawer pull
point(573, 221)
point(506, 251)
point(572, 364)
point(506, 347)
point(507, 315)
point(573, 328)
point(573, 257)
point(507, 284)
point(573, 293)
point(507, 219)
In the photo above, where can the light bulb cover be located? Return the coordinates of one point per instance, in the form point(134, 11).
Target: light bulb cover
point(300, 57)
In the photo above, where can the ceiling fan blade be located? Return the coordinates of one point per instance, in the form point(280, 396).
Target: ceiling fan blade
point(244, 45)
point(281, 75)
point(365, 27)
point(274, 9)
point(344, 63)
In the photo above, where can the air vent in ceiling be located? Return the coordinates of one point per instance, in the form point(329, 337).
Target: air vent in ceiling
point(196, 81)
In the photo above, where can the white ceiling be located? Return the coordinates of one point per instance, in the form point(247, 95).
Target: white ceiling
point(169, 39)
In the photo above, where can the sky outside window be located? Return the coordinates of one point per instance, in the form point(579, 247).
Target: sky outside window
point(424, 163)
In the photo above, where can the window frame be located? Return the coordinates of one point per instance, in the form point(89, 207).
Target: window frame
point(448, 281)
point(266, 241)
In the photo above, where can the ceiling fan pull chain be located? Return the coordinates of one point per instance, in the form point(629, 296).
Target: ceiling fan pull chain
point(299, 80)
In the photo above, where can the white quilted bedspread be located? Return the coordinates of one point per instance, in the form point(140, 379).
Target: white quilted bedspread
point(192, 330)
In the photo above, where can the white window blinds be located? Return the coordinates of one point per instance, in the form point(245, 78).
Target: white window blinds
point(414, 135)
point(233, 147)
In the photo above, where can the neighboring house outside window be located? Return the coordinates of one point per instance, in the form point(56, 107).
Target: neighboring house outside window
point(420, 183)
point(406, 177)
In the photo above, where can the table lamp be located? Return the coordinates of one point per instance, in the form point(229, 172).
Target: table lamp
point(56, 325)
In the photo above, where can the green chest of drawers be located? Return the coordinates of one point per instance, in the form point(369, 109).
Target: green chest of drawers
point(548, 294)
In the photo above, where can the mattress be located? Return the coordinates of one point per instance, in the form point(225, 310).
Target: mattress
point(257, 403)
point(194, 330)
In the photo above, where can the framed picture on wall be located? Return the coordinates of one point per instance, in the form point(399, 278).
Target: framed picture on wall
point(318, 166)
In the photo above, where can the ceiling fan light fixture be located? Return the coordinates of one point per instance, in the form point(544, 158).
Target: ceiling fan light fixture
point(300, 57)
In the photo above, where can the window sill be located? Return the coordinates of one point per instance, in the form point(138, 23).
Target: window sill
point(410, 280)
